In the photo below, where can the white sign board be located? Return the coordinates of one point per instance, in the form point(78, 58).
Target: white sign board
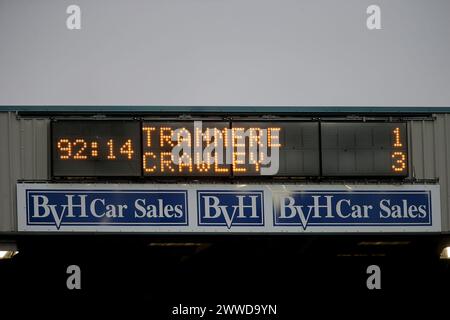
point(225, 208)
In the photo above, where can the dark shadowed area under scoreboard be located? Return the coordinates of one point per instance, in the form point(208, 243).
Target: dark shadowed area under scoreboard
point(152, 274)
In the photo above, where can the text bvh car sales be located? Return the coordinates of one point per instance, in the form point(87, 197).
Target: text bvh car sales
point(228, 208)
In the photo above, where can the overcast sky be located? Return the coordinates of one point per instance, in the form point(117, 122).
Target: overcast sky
point(225, 52)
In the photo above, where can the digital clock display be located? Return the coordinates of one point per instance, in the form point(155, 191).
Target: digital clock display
point(96, 148)
point(135, 148)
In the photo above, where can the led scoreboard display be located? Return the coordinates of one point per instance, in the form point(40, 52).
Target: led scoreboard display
point(297, 153)
point(237, 148)
point(133, 148)
point(368, 149)
point(178, 148)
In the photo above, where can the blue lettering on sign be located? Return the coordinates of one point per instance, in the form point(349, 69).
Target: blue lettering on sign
point(352, 208)
point(230, 208)
point(106, 207)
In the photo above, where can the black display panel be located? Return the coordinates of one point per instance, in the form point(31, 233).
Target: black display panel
point(96, 148)
point(187, 148)
point(230, 148)
point(133, 148)
point(297, 144)
point(364, 149)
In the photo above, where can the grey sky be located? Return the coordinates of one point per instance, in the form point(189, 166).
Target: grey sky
point(217, 52)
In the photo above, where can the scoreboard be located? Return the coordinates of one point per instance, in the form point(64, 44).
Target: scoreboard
point(289, 148)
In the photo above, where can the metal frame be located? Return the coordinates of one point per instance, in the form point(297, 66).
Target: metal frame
point(39, 109)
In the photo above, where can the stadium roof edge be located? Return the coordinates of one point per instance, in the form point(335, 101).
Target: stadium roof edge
point(224, 109)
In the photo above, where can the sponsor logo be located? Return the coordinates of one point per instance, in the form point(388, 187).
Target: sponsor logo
point(83, 207)
point(359, 208)
point(230, 208)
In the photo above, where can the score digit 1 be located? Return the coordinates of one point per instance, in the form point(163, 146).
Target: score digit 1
point(110, 144)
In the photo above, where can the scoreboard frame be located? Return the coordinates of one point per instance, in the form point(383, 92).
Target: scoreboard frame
point(231, 177)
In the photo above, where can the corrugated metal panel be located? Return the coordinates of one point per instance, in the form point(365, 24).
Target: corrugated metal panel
point(429, 151)
point(24, 156)
point(441, 156)
point(422, 149)
point(443, 151)
point(25, 149)
point(5, 185)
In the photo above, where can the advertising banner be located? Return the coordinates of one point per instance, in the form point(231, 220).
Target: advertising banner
point(225, 208)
